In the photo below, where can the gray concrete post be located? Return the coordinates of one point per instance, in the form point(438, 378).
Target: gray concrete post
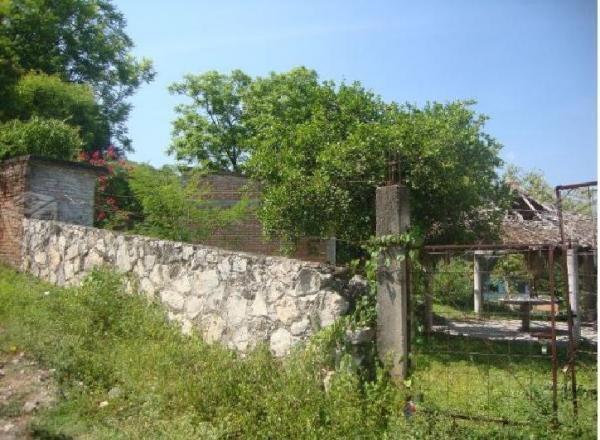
point(330, 249)
point(588, 288)
point(428, 281)
point(392, 217)
point(477, 284)
point(573, 278)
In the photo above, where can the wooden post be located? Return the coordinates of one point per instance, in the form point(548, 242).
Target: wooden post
point(392, 217)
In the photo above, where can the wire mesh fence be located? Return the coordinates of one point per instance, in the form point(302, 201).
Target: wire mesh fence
point(490, 335)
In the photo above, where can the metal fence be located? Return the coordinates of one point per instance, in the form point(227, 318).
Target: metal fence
point(507, 333)
point(490, 336)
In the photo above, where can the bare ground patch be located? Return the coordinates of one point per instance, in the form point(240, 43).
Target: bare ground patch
point(25, 387)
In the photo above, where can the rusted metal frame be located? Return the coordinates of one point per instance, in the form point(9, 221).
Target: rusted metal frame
point(409, 311)
point(478, 353)
point(474, 418)
point(576, 185)
point(484, 247)
point(553, 346)
point(550, 248)
point(448, 248)
point(572, 342)
point(394, 173)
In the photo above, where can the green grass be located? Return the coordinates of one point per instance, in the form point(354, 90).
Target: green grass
point(502, 380)
point(177, 387)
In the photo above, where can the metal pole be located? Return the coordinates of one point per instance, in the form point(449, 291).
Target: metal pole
point(572, 342)
point(553, 348)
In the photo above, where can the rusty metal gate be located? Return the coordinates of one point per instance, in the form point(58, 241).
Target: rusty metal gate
point(507, 333)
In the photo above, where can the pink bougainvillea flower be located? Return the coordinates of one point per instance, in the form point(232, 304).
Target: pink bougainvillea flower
point(111, 152)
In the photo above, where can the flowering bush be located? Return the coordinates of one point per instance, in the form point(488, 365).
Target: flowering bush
point(116, 205)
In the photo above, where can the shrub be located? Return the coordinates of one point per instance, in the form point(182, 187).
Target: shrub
point(44, 137)
point(453, 282)
point(48, 97)
point(173, 207)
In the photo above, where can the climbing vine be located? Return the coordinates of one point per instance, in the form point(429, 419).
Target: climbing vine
point(365, 313)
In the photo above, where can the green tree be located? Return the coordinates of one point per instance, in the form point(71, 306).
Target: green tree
point(322, 148)
point(452, 282)
point(511, 270)
point(48, 97)
point(210, 131)
point(43, 137)
point(532, 182)
point(81, 41)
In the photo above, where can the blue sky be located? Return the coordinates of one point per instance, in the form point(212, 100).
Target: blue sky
point(530, 64)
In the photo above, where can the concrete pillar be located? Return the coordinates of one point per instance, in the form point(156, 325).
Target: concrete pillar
point(573, 278)
point(428, 287)
point(589, 287)
point(477, 284)
point(331, 250)
point(392, 217)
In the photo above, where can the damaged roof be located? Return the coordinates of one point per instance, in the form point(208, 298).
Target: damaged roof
point(532, 222)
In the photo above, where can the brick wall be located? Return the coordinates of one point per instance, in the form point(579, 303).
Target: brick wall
point(13, 175)
point(45, 189)
point(225, 190)
point(70, 188)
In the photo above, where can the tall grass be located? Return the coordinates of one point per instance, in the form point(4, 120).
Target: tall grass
point(108, 346)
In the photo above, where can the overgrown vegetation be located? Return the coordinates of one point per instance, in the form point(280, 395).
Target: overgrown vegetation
point(43, 137)
point(49, 97)
point(62, 50)
point(453, 282)
point(511, 271)
point(109, 346)
point(174, 205)
point(320, 148)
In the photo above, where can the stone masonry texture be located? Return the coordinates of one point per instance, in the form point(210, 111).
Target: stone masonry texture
point(239, 299)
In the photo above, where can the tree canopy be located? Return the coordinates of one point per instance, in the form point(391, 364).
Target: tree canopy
point(210, 131)
point(79, 41)
point(48, 97)
point(321, 148)
point(532, 182)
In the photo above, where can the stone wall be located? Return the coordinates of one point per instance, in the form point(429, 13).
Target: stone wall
point(237, 298)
